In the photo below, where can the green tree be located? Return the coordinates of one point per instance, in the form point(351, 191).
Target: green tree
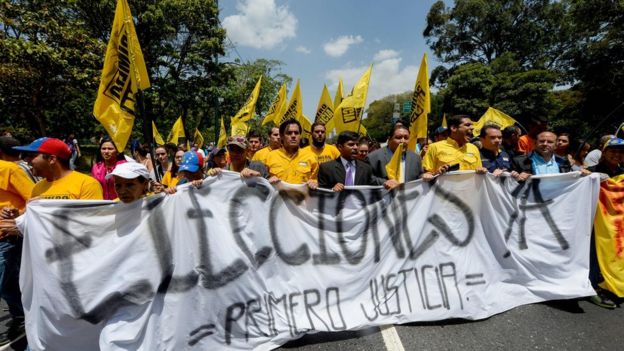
point(537, 32)
point(49, 65)
point(52, 54)
point(597, 61)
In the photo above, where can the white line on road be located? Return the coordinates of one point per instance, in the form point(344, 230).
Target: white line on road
point(391, 338)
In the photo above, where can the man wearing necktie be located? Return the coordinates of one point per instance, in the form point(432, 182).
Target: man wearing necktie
point(346, 170)
point(410, 165)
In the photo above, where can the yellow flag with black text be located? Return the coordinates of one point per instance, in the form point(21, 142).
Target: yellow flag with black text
point(222, 135)
point(177, 132)
point(347, 115)
point(337, 100)
point(123, 75)
point(393, 168)
point(421, 106)
point(157, 137)
point(325, 108)
point(306, 128)
point(277, 107)
point(493, 116)
point(294, 109)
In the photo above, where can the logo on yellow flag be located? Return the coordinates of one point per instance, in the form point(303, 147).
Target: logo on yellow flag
point(325, 108)
point(347, 114)
point(123, 75)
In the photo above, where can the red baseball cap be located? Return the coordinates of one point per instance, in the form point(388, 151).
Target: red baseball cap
point(50, 146)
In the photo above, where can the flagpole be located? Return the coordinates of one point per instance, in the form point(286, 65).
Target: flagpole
point(148, 132)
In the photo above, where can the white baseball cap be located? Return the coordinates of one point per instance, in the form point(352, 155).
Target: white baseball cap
point(129, 170)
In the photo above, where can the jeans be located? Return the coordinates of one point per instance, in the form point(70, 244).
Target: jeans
point(72, 161)
point(10, 259)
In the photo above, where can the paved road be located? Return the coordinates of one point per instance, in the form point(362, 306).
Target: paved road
point(560, 325)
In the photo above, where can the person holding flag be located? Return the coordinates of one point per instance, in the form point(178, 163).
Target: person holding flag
point(409, 166)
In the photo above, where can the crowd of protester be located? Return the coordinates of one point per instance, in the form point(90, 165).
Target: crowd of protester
point(45, 169)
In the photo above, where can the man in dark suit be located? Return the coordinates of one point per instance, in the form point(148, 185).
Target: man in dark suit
point(411, 164)
point(346, 170)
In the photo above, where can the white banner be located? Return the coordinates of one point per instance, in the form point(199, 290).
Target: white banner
point(239, 265)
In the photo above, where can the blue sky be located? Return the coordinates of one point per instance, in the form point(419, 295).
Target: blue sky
point(321, 41)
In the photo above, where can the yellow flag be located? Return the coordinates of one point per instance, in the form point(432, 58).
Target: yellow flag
point(177, 132)
point(363, 130)
point(239, 128)
point(493, 116)
point(222, 135)
point(123, 75)
point(306, 128)
point(198, 138)
point(247, 111)
point(157, 137)
point(421, 106)
point(347, 115)
point(608, 227)
point(444, 120)
point(325, 108)
point(393, 168)
point(277, 107)
point(294, 109)
point(337, 100)
point(339, 93)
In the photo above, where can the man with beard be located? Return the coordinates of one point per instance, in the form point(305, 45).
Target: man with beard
point(323, 152)
point(274, 144)
point(454, 153)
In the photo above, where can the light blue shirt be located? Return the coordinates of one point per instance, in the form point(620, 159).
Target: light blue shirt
point(540, 166)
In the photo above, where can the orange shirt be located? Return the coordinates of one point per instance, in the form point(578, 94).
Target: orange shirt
point(525, 144)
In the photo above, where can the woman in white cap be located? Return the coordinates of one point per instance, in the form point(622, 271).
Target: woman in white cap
point(131, 181)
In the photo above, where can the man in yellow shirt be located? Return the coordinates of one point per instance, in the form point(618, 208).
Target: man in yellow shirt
point(323, 152)
point(51, 161)
point(15, 190)
point(289, 163)
point(274, 144)
point(454, 153)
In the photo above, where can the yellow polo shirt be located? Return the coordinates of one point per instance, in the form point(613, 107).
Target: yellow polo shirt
point(328, 153)
point(447, 152)
point(74, 186)
point(15, 186)
point(296, 170)
point(262, 154)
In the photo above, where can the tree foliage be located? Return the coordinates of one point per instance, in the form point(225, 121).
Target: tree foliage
point(52, 52)
point(559, 59)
